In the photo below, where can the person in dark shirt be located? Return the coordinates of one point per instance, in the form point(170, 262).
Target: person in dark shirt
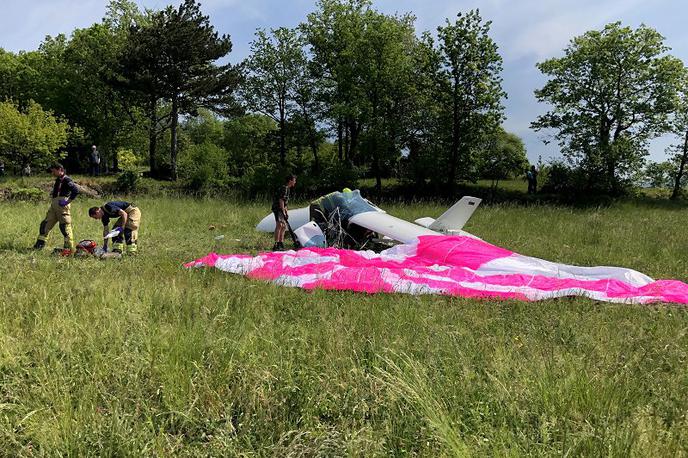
point(64, 192)
point(531, 175)
point(128, 221)
point(281, 211)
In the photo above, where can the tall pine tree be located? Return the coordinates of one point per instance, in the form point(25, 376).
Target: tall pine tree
point(172, 58)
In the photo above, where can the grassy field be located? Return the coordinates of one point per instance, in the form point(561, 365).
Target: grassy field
point(141, 357)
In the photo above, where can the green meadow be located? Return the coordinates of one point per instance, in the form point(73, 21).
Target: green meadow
point(141, 357)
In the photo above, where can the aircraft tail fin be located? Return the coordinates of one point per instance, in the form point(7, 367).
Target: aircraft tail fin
point(453, 219)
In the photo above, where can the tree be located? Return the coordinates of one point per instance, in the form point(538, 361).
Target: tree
point(87, 100)
point(470, 89)
point(333, 33)
point(274, 69)
point(246, 140)
point(679, 127)
point(363, 63)
point(503, 155)
point(611, 93)
point(32, 136)
point(659, 174)
point(425, 148)
point(385, 66)
point(171, 56)
point(69, 77)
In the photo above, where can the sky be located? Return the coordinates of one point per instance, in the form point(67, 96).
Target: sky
point(526, 31)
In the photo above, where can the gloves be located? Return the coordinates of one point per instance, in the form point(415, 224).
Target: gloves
point(63, 202)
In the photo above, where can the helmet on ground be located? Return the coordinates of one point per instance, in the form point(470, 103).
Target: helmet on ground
point(86, 246)
point(346, 190)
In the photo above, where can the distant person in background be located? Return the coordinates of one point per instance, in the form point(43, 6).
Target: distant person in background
point(281, 212)
point(531, 175)
point(2, 169)
point(26, 171)
point(95, 161)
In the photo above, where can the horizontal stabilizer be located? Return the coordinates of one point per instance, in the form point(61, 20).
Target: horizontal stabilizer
point(457, 216)
point(425, 222)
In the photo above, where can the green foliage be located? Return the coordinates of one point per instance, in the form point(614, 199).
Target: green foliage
point(470, 90)
point(204, 167)
point(32, 136)
point(611, 92)
point(272, 71)
point(561, 178)
point(26, 194)
point(128, 181)
point(261, 179)
point(247, 140)
point(172, 57)
point(127, 160)
point(659, 174)
point(679, 150)
point(204, 128)
point(362, 60)
point(502, 157)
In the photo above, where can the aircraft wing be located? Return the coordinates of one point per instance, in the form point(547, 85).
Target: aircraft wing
point(391, 226)
point(297, 218)
point(376, 221)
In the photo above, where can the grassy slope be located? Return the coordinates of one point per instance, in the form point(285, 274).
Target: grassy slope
point(144, 357)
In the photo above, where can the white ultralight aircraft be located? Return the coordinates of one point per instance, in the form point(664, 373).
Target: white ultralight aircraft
point(362, 213)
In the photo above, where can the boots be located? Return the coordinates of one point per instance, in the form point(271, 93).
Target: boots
point(279, 246)
point(39, 245)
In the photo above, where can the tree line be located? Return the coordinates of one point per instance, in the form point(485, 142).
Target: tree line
point(351, 92)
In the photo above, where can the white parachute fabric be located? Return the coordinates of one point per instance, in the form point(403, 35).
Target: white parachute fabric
point(450, 265)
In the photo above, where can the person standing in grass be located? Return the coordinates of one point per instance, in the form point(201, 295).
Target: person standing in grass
point(63, 193)
point(95, 161)
point(127, 224)
point(531, 175)
point(281, 211)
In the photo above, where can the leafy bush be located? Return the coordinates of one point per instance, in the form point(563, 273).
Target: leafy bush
point(28, 194)
point(260, 179)
point(127, 160)
point(337, 176)
point(204, 167)
point(128, 181)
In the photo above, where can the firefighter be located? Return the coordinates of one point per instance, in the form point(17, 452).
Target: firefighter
point(127, 224)
point(64, 192)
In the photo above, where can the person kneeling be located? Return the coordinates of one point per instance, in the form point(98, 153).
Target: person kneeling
point(127, 224)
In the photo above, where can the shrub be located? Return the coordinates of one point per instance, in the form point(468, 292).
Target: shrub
point(260, 179)
point(559, 178)
point(128, 181)
point(127, 160)
point(338, 175)
point(28, 194)
point(203, 167)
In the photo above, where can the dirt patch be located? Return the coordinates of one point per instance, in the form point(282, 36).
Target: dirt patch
point(87, 189)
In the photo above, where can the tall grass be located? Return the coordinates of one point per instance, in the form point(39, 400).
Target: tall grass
point(142, 357)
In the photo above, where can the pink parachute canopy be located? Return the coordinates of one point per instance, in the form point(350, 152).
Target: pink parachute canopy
point(451, 265)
